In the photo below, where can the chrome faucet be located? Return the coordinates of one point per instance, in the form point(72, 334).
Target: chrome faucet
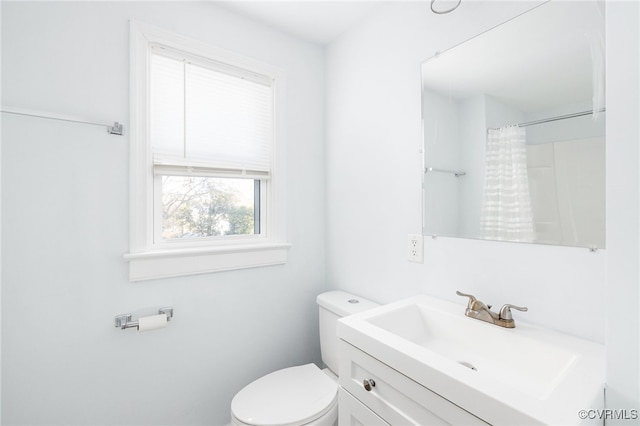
point(478, 310)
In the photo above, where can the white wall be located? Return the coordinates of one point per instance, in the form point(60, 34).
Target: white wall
point(65, 229)
point(623, 213)
point(373, 189)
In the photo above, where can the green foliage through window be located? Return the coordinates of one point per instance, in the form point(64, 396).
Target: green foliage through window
point(196, 207)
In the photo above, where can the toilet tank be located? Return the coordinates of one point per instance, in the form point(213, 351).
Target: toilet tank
point(332, 306)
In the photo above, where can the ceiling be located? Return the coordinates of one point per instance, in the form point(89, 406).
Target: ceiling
point(318, 22)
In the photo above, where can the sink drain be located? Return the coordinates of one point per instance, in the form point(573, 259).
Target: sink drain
point(468, 365)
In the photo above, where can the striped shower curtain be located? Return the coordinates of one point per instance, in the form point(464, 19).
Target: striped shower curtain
point(506, 205)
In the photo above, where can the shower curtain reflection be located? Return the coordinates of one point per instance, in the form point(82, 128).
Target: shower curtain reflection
point(506, 212)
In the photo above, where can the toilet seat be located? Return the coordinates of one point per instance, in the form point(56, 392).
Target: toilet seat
point(291, 396)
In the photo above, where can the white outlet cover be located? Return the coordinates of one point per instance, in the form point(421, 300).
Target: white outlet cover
point(415, 248)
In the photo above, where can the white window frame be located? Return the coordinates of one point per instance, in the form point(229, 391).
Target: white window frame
point(150, 260)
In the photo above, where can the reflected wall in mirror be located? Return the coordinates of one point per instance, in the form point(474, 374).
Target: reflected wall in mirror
point(514, 131)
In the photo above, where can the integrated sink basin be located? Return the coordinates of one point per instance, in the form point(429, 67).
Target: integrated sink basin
point(523, 375)
point(530, 365)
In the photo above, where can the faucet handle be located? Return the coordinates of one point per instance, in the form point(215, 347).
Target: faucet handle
point(472, 298)
point(505, 311)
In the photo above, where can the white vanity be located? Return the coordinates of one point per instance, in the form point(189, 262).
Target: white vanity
point(421, 361)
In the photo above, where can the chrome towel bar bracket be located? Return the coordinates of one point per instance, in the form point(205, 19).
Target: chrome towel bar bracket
point(116, 129)
point(125, 321)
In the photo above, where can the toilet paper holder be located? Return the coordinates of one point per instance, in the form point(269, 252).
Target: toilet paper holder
point(125, 321)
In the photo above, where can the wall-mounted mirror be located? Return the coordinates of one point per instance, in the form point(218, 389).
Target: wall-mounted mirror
point(514, 131)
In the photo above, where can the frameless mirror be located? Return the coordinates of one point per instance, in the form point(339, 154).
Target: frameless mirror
point(514, 131)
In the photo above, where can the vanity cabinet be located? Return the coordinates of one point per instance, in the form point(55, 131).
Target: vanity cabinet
point(392, 398)
point(354, 412)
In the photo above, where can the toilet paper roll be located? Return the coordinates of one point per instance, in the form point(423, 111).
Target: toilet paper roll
point(152, 322)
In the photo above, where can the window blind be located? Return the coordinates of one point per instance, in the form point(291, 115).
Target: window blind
point(205, 115)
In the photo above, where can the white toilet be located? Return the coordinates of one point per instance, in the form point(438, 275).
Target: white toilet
point(302, 395)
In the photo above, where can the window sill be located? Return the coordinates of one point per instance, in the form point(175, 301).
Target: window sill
point(174, 263)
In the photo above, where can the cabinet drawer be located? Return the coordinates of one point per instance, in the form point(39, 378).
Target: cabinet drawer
point(395, 397)
point(354, 413)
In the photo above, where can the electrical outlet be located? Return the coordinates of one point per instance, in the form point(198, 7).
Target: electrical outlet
point(415, 248)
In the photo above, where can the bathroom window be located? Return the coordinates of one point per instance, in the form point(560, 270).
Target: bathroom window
point(206, 158)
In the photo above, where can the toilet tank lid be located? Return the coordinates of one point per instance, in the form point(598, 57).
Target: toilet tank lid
point(342, 303)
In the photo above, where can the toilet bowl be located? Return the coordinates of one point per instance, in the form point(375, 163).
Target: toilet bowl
point(301, 395)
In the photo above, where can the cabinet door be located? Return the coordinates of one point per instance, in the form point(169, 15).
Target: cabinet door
point(353, 413)
point(395, 397)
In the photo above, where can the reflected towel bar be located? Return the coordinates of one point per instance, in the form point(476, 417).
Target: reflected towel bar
point(456, 173)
